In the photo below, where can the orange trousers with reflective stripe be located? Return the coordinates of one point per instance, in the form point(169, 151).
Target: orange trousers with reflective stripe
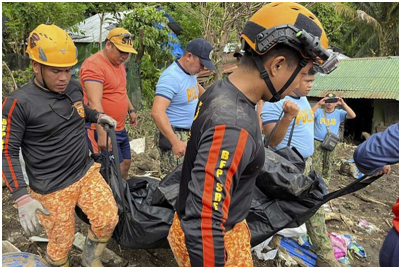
point(237, 243)
point(92, 194)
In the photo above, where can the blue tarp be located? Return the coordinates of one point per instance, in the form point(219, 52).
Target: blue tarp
point(176, 45)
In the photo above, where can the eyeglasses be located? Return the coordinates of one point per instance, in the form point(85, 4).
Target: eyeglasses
point(72, 107)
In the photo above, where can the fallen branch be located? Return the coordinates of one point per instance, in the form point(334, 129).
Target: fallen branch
point(11, 75)
point(366, 199)
point(339, 217)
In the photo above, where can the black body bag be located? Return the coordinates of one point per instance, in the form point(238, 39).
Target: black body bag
point(290, 203)
point(286, 198)
point(145, 216)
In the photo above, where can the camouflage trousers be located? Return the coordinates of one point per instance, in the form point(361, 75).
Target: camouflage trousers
point(323, 161)
point(92, 194)
point(237, 243)
point(316, 227)
point(168, 161)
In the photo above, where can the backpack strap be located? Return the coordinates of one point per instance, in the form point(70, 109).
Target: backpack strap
point(274, 130)
point(350, 188)
point(325, 116)
point(112, 134)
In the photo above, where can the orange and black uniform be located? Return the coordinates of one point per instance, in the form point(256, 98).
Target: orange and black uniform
point(223, 158)
point(50, 129)
point(54, 148)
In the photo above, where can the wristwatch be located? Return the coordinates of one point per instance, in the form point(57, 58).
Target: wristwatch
point(130, 111)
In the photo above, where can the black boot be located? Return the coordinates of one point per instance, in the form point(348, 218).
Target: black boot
point(93, 250)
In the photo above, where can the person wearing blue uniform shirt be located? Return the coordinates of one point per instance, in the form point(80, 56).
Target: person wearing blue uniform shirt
point(296, 108)
point(298, 111)
point(176, 97)
point(374, 157)
point(328, 117)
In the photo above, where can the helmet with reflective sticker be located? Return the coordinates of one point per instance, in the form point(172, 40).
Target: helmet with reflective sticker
point(52, 46)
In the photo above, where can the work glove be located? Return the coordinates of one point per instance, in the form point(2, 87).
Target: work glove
point(103, 119)
point(27, 208)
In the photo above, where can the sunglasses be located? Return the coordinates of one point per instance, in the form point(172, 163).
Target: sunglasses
point(126, 36)
point(72, 108)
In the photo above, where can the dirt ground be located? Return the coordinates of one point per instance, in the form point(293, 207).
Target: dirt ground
point(372, 204)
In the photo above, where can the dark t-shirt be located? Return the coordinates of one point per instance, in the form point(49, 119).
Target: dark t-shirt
point(223, 158)
point(49, 128)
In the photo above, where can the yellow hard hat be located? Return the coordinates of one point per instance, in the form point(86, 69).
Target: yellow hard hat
point(285, 23)
point(52, 46)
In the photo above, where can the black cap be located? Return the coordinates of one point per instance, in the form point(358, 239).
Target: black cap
point(331, 98)
point(203, 49)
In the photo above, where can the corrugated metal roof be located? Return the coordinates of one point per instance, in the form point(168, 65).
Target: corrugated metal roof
point(370, 78)
point(88, 30)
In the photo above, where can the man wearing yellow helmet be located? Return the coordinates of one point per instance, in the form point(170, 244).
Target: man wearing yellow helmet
point(225, 151)
point(46, 118)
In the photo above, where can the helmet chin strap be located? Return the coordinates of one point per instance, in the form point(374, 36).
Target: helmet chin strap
point(43, 78)
point(43, 82)
point(276, 96)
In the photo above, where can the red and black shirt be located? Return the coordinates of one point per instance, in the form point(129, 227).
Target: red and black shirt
point(49, 128)
point(223, 158)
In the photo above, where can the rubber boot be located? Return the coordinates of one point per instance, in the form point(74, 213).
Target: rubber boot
point(60, 263)
point(93, 250)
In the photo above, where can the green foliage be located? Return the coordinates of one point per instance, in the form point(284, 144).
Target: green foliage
point(151, 43)
point(149, 75)
point(149, 37)
point(10, 78)
point(188, 16)
point(335, 26)
point(376, 29)
point(22, 17)
point(104, 7)
point(361, 29)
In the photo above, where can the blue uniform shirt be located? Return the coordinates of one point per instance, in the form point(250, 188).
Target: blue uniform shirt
point(302, 138)
point(379, 150)
point(333, 122)
point(182, 90)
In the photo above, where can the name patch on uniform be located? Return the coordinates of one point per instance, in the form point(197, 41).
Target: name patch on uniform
point(192, 94)
point(3, 132)
point(328, 122)
point(225, 155)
